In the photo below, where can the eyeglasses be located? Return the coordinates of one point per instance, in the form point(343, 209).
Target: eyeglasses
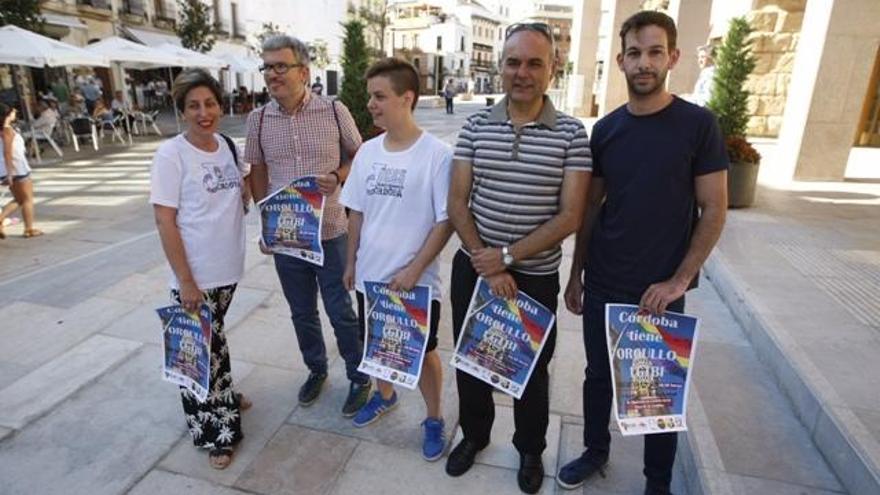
point(280, 68)
point(539, 27)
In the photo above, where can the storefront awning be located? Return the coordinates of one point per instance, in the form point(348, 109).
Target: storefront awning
point(151, 38)
point(62, 20)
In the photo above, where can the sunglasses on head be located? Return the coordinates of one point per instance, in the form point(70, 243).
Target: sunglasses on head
point(538, 27)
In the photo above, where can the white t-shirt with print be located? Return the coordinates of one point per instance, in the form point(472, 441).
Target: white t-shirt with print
point(205, 188)
point(402, 195)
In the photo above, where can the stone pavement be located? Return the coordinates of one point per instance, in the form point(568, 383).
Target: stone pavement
point(801, 272)
point(83, 408)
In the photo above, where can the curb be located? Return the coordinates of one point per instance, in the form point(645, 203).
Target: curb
point(843, 440)
point(701, 462)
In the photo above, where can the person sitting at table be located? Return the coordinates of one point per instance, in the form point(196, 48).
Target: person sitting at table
point(77, 105)
point(47, 118)
point(102, 113)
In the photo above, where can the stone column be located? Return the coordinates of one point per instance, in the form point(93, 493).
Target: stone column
point(585, 34)
point(832, 69)
point(692, 18)
point(612, 92)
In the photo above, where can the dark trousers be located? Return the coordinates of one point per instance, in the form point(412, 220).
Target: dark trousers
point(659, 454)
point(216, 422)
point(449, 105)
point(300, 281)
point(476, 406)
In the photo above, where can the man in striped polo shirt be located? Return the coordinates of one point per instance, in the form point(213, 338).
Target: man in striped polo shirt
point(519, 183)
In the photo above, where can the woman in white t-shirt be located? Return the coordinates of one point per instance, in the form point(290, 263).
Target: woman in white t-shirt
point(16, 174)
point(199, 194)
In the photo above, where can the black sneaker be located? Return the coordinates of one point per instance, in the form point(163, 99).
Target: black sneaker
point(461, 458)
point(573, 474)
point(531, 473)
point(358, 394)
point(653, 490)
point(311, 389)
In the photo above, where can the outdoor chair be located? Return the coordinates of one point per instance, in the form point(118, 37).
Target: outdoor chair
point(44, 135)
point(113, 127)
point(83, 127)
point(148, 119)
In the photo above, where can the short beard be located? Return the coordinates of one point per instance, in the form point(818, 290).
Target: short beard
point(634, 89)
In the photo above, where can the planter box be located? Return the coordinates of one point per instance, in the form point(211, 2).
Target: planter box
point(742, 182)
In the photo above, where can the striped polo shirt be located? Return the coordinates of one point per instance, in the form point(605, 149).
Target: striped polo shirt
point(517, 175)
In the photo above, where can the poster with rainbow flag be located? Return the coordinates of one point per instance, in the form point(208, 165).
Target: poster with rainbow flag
point(291, 220)
point(501, 339)
point(396, 323)
point(187, 348)
point(651, 361)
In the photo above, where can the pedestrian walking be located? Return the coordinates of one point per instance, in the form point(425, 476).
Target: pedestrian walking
point(656, 160)
point(519, 184)
point(16, 175)
point(397, 193)
point(92, 93)
point(294, 135)
point(199, 193)
point(449, 95)
point(318, 87)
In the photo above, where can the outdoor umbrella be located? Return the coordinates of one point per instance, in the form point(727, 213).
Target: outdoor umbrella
point(192, 57)
point(239, 63)
point(131, 55)
point(22, 47)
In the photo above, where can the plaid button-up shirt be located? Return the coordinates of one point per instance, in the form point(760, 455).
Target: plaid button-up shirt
point(305, 142)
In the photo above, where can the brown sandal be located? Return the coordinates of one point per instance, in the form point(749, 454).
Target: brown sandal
point(28, 233)
point(220, 457)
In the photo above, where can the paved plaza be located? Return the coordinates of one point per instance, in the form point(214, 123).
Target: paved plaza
point(778, 406)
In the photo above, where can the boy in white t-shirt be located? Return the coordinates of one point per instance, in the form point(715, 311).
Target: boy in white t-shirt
point(396, 192)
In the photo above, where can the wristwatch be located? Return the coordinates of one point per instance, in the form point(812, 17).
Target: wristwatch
point(506, 257)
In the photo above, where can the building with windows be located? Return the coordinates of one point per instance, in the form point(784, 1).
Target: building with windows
point(815, 89)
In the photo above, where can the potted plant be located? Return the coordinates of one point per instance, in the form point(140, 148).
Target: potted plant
point(729, 101)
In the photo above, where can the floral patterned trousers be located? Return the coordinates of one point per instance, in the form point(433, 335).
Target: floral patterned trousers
point(216, 422)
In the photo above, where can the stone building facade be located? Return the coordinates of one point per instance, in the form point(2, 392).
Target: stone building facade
point(777, 26)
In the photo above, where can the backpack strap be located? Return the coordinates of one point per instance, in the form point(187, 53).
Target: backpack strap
point(338, 129)
point(260, 131)
point(232, 147)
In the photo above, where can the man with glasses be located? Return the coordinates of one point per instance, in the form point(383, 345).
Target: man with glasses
point(656, 159)
point(519, 183)
point(295, 135)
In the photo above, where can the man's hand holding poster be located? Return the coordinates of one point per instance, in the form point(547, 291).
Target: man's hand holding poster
point(501, 339)
point(651, 359)
point(397, 326)
point(291, 220)
point(187, 338)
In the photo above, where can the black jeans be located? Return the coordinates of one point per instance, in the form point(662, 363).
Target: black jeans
point(659, 454)
point(476, 406)
point(449, 105)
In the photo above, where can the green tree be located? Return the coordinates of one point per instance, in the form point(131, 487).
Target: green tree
point(375, 15)
point(195, 28)
point(22, 13)
point(318, 53)
point(354, 67)
point(267, 30)
point(729, 98)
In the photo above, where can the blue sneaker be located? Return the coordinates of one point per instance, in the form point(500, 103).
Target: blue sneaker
point(374, 409)
point(435, 439)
